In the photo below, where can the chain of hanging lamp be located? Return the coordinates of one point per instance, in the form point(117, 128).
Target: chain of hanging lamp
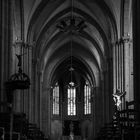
point(71, 55)
point(71, 25)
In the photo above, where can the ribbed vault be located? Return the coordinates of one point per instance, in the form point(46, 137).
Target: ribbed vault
point(100, 28)
point(89, 49)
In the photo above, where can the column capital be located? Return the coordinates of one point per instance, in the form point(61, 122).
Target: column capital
point(21, 43)
point(125, 39)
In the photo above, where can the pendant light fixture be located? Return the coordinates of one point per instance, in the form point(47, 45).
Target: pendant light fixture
point(71, 69)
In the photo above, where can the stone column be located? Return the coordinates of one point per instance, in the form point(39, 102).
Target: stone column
point(46, 108)
point(128, 63)
point(37, 88)
point(118, 66)
point(121, 66)
point(106, 96)
point(40, 85)
point(114, 68)
point(98, 109)
point(5, 46)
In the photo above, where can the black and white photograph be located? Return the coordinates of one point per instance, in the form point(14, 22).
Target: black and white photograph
point(69, 69)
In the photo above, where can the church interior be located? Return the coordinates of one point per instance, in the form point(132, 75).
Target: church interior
point(69, 70)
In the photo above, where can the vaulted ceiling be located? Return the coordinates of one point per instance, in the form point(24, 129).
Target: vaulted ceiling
point(91, 47)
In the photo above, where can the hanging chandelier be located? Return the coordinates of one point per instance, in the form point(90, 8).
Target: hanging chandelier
point(71, 69)
point(71, 83)
point(72, 24)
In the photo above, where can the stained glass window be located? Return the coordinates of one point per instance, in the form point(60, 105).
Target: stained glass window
point(56, 100)
point(87, 99)
point(71, 92)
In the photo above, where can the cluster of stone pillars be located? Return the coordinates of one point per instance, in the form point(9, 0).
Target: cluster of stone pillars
point(123, 68)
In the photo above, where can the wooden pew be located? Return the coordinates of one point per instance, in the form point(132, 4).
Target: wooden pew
point(15, 136)
point(19, 123)
point(21, 127)
point(128, 121)
point(124, 127)
point(109, 132)
point(34, 132)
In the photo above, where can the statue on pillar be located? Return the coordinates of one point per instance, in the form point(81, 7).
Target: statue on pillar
point(117, 98)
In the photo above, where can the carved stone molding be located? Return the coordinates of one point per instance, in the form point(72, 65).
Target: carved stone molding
point(126, 39)
point(123, 40)
point(21, 43)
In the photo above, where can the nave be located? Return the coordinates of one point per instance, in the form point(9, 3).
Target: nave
point(69, 70)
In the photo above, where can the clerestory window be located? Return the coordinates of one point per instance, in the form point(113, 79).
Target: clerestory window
point(56, 100)
point(87, 99)
point(71, 98)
